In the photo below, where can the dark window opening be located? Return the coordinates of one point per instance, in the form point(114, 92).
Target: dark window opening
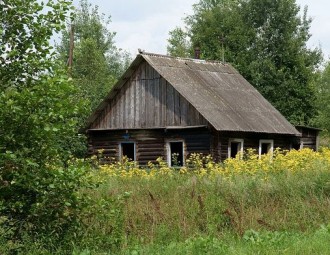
point(128, 150)
point(235, 148)
point(265, 148)
point(176, 153)
point(296, 146)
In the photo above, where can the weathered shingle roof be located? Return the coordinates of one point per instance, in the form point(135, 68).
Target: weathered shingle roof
point(222, 96)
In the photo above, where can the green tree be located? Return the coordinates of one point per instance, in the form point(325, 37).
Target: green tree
point(35, 94)
point(266, 42)
point(323, 100)
point(38, 117)
point(97, 62)
point(25, 35)
point(179, 45)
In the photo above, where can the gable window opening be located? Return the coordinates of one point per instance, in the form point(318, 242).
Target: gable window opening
point(266, 147)
point(175, 153)
point(127, 149)
point(235, 148)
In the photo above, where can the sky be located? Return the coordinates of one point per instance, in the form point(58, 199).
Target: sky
point(145, 24)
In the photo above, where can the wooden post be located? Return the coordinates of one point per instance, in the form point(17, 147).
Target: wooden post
point(70, 60)
point(222, 41)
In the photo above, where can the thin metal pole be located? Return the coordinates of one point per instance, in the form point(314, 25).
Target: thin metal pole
point(70, 60)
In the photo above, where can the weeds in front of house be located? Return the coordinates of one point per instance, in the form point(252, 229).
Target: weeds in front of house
point(204, 166)
point(267, 205)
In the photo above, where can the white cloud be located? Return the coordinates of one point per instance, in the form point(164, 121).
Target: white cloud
point(146, 23)
point(319, 12)
point(148, 33)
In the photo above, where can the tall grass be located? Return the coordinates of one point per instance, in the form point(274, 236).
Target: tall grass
point(272, 205)
point(289, 192)
point(182, 206)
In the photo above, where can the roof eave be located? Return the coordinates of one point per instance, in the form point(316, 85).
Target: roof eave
point(297, 133)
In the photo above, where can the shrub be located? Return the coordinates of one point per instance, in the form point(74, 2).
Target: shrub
point(44, 203)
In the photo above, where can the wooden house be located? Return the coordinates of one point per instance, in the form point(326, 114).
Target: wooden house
point(309, 138)
point(164, 106)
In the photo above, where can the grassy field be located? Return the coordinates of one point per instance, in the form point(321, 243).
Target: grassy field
point(278, 205)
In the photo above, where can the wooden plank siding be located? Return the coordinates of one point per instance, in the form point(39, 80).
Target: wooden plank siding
point(147, 100)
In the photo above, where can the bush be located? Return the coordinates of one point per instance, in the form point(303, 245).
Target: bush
point(44, 203)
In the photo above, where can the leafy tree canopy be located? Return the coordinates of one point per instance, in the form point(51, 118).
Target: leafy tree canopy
point(36, 102)
point(97, 62)
point(179, 45)
point(266, 42)
point(323, 99)
point(38, 119)
point(25, 34)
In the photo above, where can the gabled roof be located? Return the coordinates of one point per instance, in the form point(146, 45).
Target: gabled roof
point(221, 95)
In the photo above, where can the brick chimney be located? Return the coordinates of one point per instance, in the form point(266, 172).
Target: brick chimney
point(197, 53)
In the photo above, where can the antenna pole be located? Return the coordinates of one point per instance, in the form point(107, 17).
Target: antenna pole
point(223, 52)
point(70, 60)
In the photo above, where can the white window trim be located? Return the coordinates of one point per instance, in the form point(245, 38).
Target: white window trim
point(267, 141)
point(121, 150)
point(317, 142)
point(168, 150)
point(301, 146)
point(235, 140)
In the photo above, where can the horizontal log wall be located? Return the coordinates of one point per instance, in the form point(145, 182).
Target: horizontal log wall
point(251, 141)
point(196, 140)
point(309, 138)
point(150, 144)
point(147, 100)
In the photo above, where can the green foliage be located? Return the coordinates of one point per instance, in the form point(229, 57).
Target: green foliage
point(266, 42)
point(323, 99)
point(268, 243)
point(104, 223)
point(38, 119)
point(55, 210)
point(97, 62)
point(38, 111)
point(43, 203)
point(25, 33)
point(248, 213)
point(178, 46)
point(181, 213)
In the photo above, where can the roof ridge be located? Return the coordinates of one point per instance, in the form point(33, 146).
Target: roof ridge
point(182, 58)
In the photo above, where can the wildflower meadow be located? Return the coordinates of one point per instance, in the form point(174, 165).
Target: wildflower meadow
point(274, 204)
point(270, 204)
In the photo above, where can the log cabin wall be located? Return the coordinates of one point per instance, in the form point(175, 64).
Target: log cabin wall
point(251, 140)
point(147, 100)
point(309, 138)
point(150, 144)
point(197, 140)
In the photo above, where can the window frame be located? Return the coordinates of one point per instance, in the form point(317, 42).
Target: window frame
point(168, 151)
point(121, 149)
point(235, 140)
point(266, 141)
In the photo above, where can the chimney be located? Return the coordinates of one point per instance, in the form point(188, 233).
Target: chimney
point(197, 53)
